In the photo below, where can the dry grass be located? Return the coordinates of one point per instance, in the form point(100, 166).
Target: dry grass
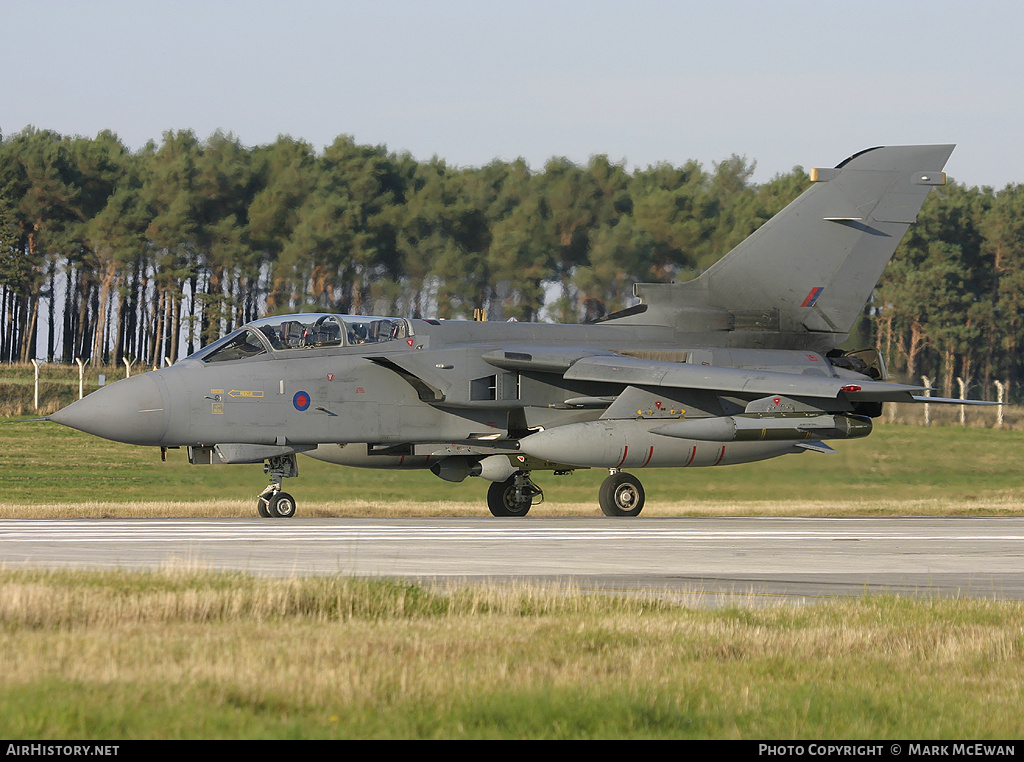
point(1005, 505)
point(204, 655)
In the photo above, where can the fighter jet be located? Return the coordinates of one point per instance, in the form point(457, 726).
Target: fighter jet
point(737, 365)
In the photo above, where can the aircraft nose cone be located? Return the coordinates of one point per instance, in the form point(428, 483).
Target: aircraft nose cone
point(132, 411)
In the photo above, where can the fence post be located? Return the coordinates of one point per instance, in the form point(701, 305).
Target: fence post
point(35, 362)
point(889, 411)
point(1000, 396)
point(927, 382)
point(81, 376)
point(963, 382)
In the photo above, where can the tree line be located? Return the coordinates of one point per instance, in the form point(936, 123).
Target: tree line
point(107, 253)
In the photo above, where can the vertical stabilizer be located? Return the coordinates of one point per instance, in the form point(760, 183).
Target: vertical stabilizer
point(812, 267)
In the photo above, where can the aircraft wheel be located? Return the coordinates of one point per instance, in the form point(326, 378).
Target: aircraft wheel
point(621, 495)
point(263, 507)
point(281, 505)
point(504, 500)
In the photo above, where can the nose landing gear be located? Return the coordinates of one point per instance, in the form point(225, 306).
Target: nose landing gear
point(272, 501)
point(514, 496)
point(275, 504)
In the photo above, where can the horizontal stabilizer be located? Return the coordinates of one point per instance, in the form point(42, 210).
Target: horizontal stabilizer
point(952, 401)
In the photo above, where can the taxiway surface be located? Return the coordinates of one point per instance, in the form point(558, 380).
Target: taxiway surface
point(787, 558)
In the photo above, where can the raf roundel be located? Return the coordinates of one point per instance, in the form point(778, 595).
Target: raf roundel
point(301, 400)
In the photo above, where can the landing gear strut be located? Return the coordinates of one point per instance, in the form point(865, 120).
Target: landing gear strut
point(272, 501)
point(514, 496)
point(621, 495)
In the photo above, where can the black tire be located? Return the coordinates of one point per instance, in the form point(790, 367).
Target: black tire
point(282, 505)
point(263, 507)
point(502, 499)
point(621, 494)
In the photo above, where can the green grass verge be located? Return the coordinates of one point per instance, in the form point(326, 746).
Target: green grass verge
point(963, 470)
point(181, 654)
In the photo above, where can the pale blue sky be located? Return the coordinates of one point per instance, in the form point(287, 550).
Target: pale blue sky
point(782, 83)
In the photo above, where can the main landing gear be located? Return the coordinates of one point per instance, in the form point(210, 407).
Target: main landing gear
point(514, 496)
point(621, 494)
point(273, 503)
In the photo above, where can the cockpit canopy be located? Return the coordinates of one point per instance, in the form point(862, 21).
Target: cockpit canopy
point(304, 331)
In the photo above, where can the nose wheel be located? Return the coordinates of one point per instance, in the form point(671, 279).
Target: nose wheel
point(273, 502)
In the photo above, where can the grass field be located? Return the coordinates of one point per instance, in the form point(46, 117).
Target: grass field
point(51, 470)
point(188, 654)
point(182, 654)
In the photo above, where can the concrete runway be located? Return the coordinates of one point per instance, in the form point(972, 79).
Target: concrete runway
point(714, 559)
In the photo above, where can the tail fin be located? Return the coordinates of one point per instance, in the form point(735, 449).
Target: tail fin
point(812, 267)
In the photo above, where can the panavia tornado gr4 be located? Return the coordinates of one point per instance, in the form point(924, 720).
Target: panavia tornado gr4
point(738, 365)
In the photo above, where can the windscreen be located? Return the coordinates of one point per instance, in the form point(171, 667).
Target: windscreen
point(318, 330)
point(304, 331)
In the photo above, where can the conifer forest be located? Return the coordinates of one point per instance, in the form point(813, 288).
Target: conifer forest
point(108, 253)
